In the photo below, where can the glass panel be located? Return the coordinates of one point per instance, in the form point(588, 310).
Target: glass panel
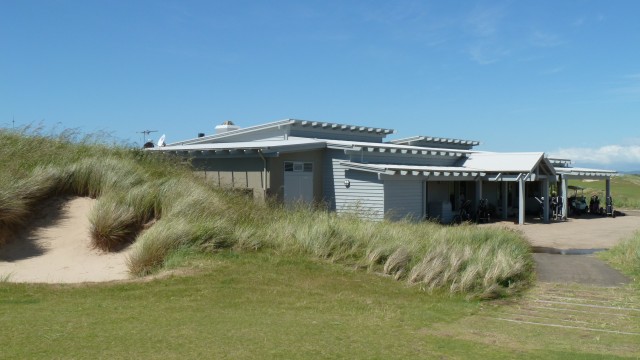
point(308, 167)
point(288, 166)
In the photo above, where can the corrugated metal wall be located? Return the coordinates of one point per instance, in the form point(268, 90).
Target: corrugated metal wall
point(403, 199)
point(364, 195)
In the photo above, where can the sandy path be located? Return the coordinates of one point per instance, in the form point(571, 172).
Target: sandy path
point(56, 249)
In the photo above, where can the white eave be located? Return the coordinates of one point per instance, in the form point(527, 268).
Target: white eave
point(249, 147)
point(341, 127)
point(585, 172)
point(433, 139)
point(414, 170)
point(394, 149)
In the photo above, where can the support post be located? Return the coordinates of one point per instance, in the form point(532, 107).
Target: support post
point(521, 198)
point(608, 189)
point(545, 194)
point(565, 205)
point(505, 198)
point(478, 193)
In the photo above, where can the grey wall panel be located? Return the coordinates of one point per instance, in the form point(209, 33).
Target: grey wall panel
point(403, 199)
point(364, 195)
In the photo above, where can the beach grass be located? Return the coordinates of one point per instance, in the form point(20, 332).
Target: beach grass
point(155, 201)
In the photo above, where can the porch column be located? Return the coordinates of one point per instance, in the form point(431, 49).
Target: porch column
point(478, 192)
point(565, 206)
point(505, 198)
point(521, 198)
point(545, 194)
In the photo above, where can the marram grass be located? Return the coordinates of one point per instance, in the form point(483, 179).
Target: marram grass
point(160, 206)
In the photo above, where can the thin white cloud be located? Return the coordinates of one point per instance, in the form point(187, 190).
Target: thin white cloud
point(485, 54)
point(551, 71)
point(484, 21)
point(579, 22)
point(610, 154)
point(483, 25)
point(545, 39)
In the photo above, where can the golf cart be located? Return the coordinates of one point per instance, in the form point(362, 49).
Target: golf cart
point(577, 202)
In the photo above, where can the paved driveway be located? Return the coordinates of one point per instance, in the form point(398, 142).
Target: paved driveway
point(563, 251)
point(585, 232)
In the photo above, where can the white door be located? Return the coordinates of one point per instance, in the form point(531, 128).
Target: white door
point(298, 182)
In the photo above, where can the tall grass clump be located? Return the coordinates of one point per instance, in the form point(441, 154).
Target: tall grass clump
point(626, 256)
point(113, 224)
point(483, 261)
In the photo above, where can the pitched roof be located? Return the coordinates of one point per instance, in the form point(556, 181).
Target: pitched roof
point(287, 125)
point(504, 162)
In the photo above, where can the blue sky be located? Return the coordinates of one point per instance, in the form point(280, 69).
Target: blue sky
point(561, 77)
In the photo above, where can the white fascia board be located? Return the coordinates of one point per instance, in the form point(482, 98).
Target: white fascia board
point(341, 127)
point(264, 146)
point(394, 149)
point(410, 139)
point(275, 124)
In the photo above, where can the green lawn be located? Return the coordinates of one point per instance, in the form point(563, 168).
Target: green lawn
point(625, 190)
point(264, 305)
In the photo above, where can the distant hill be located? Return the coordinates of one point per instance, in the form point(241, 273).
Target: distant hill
point(633, 172)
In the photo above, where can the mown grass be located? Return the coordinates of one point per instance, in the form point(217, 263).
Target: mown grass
point(157, 202)
point(265, 306)
point(625, 190)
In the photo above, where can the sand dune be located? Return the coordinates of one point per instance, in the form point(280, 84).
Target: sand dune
point(56, 248)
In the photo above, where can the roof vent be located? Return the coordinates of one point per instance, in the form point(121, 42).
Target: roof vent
point(226, 127)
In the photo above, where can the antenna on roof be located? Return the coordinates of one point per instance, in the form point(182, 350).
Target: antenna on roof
point(145, 133)
point(161, 141)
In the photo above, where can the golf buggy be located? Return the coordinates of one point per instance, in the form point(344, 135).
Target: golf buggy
point(577, 202)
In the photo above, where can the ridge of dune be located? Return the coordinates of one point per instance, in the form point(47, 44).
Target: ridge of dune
point(56, 248)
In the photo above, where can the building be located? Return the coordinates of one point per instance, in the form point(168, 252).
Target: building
point(353, 169)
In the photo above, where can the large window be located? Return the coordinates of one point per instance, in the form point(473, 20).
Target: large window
point(298, 166)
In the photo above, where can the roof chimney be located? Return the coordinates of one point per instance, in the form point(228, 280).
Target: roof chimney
point(226, 127)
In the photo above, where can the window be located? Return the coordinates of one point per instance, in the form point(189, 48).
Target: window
point(298, 166)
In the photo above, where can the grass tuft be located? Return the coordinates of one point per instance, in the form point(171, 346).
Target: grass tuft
point(113, 225)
